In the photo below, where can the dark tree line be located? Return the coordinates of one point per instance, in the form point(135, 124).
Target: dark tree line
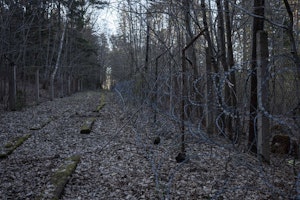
point(50, 40)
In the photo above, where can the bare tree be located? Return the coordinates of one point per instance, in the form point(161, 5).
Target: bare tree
point(57, 60)
point(258, 24)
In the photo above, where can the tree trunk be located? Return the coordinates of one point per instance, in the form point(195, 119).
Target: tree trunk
point(190, 35)
point(209, 97)
point(147, 43)
point(294, 50)
point(37, 85)
point(52, 78)
point(263, 139)
point(258, 24)
point(184, 92)
point(230, 60)
point(208, 37)
point(222, 53)
point(12, 87)
point(69, 85)
point(211, 53)
point(62, 92)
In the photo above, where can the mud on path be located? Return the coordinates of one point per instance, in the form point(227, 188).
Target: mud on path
point(119, 160)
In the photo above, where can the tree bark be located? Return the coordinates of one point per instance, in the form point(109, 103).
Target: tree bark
point(52, 78)
point(222, 54)
point(147, 42)
point(230, 60)
point(208, 37)
point(184, 92)
point(209, 95)
point(37, 85)
point(258, 24)
point(190, 35)
point(263, 139)
point(12, 87)
point(294, 50)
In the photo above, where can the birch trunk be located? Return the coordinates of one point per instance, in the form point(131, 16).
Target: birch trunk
point(52, 78)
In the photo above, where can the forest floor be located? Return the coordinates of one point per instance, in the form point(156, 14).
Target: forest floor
point(118, 159)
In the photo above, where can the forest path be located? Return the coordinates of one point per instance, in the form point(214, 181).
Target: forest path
point(108, 155)
point(118, 159)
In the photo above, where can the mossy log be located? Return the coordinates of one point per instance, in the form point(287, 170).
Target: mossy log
point(60, 178)
point(99, 107)
point(42, 125)
point(13, 145)
point(86, 128)
point(102, 102)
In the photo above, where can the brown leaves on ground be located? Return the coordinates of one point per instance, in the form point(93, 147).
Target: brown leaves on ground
point(119, 159)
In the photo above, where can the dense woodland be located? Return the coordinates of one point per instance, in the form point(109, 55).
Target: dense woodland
point(225, 67)
point(54, 39)
point(215, 68)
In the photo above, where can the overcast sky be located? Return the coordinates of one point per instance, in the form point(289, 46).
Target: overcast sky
point(107, 19)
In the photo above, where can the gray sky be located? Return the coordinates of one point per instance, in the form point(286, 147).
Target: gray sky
point(107, 19)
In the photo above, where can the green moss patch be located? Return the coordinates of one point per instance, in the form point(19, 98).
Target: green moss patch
point(40, 126)
point(102, 102)
point(86, 128)
point(60, 178)
point(13, 145)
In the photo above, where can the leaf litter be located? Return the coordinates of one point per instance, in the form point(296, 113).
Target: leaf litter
point(119, 159)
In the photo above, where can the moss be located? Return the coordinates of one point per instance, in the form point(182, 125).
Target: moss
point(100, 107)
point(85, 129)
point(8, 145)
point(13, 145)
point(21, 140)
point(18, 142)
point(61, 176)
point(87, 126)
point(102, 102)
point(38, 126)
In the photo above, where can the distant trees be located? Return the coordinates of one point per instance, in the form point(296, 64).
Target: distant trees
point(54, 37)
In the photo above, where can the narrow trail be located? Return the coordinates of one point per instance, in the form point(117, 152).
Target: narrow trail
point(119, 160)
point(104, 166)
